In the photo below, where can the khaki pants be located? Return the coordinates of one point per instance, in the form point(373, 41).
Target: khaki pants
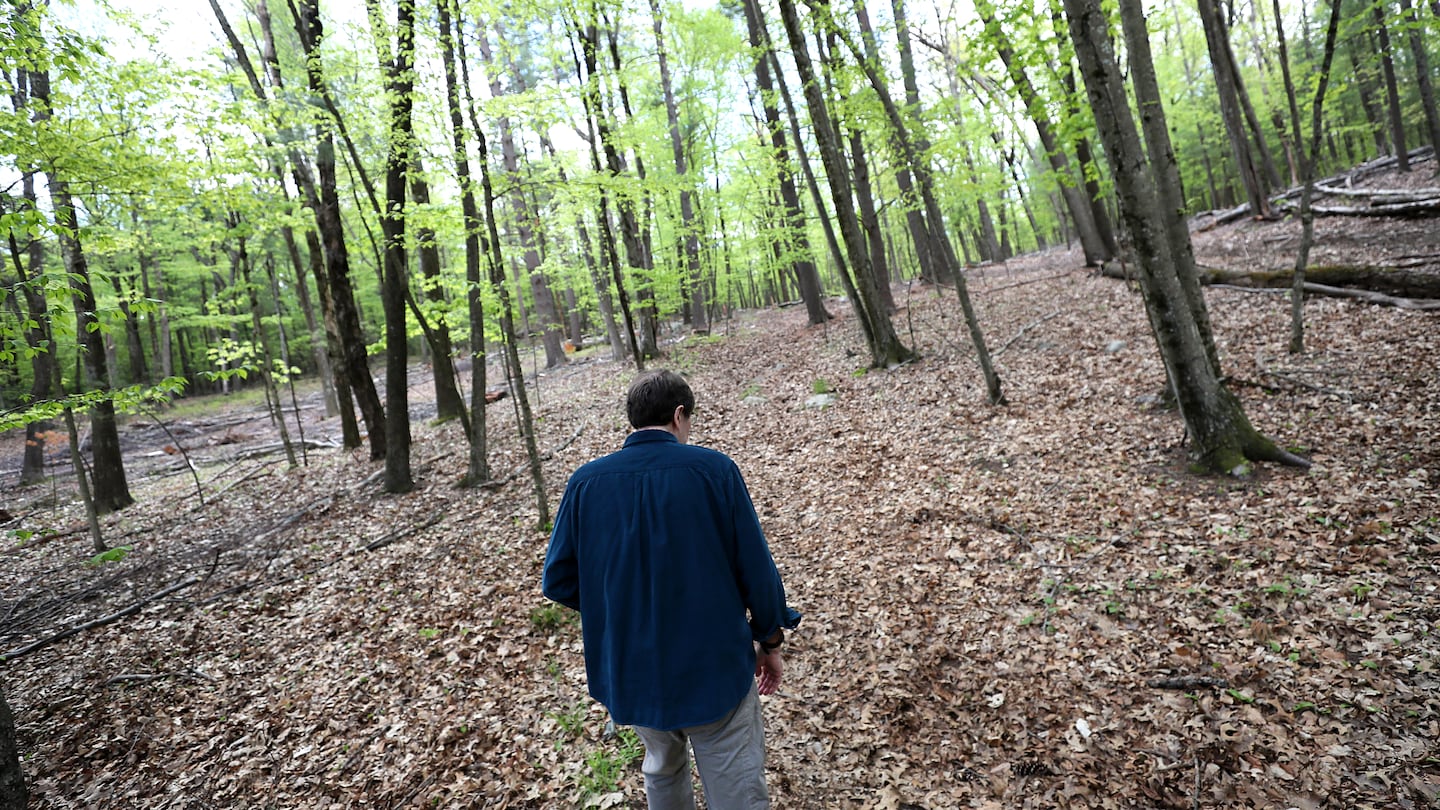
point(730, 753)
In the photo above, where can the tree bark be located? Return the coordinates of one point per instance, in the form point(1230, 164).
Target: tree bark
point(111, 492)
point(1392, 87)
point(1224, 440)
point(399, 89)
point(1226, 82)
point(13, 795)
point(337, 258)
point(884, 344)
point(477, 467)
point(1420, 56)
point(449, 404)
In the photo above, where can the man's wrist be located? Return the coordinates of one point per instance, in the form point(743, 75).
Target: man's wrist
point(770, 645)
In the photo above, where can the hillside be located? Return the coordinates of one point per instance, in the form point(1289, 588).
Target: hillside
point(1027, 606)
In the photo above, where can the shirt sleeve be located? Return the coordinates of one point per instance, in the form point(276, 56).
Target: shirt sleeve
point(756, 574)
point(561, 580)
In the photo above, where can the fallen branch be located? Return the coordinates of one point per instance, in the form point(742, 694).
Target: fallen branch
point(1022, 332)
point(100, 622)
point(1188, 682)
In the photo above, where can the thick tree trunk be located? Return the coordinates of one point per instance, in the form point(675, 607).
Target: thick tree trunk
point(1224, 440)
point(922, 234)
point(870, 219)
point(13, 795)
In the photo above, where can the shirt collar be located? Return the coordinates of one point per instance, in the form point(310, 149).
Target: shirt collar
point(650, 436)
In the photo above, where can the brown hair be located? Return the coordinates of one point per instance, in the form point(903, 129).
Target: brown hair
point(654, 396)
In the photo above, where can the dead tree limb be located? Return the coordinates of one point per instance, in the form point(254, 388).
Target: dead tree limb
point(100, 622)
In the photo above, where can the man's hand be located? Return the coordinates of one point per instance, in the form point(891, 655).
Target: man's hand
point(768, 668)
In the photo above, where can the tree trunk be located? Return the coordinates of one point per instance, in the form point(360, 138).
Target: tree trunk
point(37, 331)
point(111, 492)
point(603, 301)
point(1224, 440)
point(400, 85)
point(922, 233)
point(884, 344)
point(1374, 116)
point(920, 165)
point(1090, 242)
point(525, 220)
point(241, 257)
point(1392, 87)
point(807, 277)
point(1226, 82)
point(449, 404)
point(688, 225)
point(870, 219)
point(356, 363)
point(13, 795)
point(1415, 28)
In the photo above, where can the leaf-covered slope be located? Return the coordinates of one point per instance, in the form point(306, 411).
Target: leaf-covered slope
point(989, 592)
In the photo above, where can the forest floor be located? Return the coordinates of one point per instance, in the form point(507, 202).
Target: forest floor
point(1034, 605)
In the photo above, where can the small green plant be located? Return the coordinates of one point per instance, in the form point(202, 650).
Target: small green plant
point(571, 721)
point(430, 632)
point(109, 555)
point(550, 618)
point(1361, 590)
point(860, 372)
point(1240, 696)
point(603, 766)
point(821, 387)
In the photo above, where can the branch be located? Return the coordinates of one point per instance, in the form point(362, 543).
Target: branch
point(100, 622)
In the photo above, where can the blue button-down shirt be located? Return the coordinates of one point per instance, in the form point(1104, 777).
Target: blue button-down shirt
point(659, 548)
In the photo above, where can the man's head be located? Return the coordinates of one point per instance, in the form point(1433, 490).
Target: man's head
point(660, 399)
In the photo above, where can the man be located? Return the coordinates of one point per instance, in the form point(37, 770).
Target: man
point(659, 548)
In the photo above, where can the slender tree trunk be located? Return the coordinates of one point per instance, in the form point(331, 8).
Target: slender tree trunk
point(111, 490)
point(448, 402)
point(525, 220)
point(807, 276)
point(1415, 28)
point(400, 85)
point(884, 344)
point(921, 167)
point(478, 468)
point(1090, 242)
point(241, 257)
point(1392, 87)
point(600, 137)
point(688, 223)
point(870, 219)
point(1224, 439)
point(37, 331)
point(360, 381)
point(1222, 61)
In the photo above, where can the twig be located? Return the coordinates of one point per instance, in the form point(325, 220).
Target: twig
point(100, 622)
point(199, 493)
point(1022, 332)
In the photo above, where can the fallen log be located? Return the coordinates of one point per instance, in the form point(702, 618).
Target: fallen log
point(1389, 285)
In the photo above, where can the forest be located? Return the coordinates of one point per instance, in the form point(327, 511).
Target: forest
point(1080, 358)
